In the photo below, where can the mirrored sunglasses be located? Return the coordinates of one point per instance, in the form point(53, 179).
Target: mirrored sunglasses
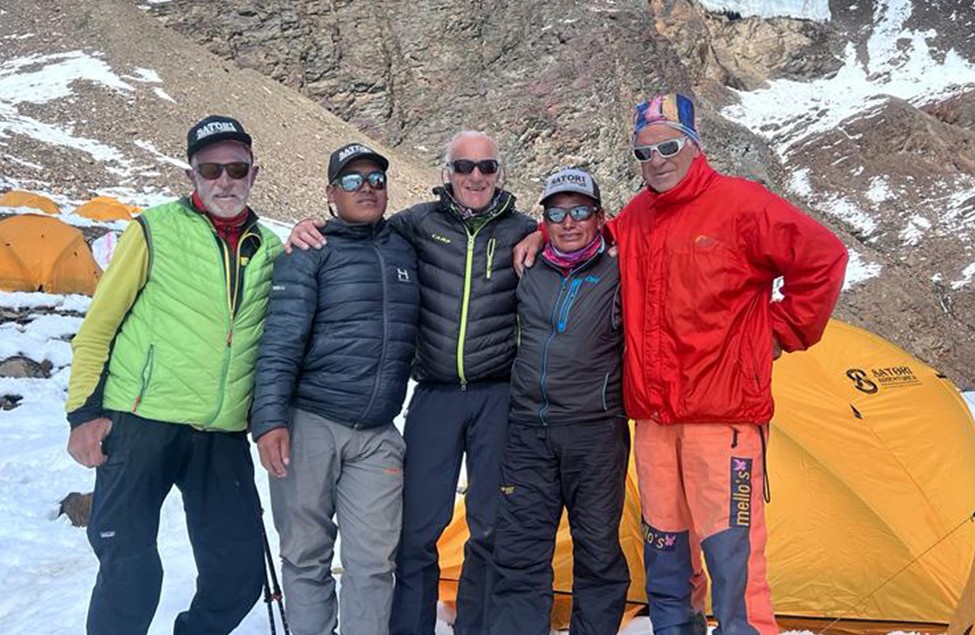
point(466, 166)
point(212, 171)
point(665, 149)
point(578, 213)
point(353, 181)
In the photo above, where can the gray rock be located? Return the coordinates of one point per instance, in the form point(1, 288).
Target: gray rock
point(21, 367)
point(77, 507)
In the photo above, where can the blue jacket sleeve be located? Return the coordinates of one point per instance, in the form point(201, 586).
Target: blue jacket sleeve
point(287, 327)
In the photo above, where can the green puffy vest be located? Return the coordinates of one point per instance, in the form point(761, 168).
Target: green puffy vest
point(186, 352)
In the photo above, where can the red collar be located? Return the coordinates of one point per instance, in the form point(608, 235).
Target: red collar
point(696, 180)
point(234, 222)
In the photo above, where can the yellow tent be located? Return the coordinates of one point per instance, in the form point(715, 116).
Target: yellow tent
point(964, 618)
point(20, 198)
point(105, 208)
point(40, 253)
point(872, 474)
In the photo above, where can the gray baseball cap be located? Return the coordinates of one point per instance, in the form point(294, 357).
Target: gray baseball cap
point(571, 180)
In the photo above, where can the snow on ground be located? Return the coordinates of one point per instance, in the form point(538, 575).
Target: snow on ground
point(804, 9)
point(847, 211)
point(966, 277)
point(43, 557)
point(900, 64)
point(858, 270)
point(45, 562)
point(44, 79)
point(39, 79)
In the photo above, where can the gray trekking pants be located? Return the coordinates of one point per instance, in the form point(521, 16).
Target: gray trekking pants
point(356, 476)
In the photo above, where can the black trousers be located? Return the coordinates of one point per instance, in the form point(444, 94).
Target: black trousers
point(583, 468)
point(443, 424)
point(215, 474)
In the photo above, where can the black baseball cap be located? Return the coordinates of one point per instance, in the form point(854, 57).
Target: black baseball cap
point(214, 129)
point(352, 152)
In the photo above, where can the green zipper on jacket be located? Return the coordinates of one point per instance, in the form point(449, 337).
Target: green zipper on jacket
point(465, 302)
point(490, 255)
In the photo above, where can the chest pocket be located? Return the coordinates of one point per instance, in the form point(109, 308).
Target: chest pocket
point(703, 274)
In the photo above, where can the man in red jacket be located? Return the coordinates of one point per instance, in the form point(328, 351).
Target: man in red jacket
point(698, 254)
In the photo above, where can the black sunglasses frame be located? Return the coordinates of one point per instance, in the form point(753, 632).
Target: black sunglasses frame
point(235, 169)
point(466, 166)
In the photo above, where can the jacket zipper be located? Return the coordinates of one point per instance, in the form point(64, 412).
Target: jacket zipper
point(567, 305)
point(382, 354)
point(603, 392)
point(465, 303)
point(234, 290)
point(490, 255)
point(548, 342)
point(146, 376)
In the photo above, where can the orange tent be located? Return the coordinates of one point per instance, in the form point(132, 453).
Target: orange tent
point(39, 253)
point(105, 208)
point(20, 198)
point(872, 473)
point(14, 275)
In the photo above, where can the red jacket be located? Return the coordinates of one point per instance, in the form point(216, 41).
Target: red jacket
point(697, 265)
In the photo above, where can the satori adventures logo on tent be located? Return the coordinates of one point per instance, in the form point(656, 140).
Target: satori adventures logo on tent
point(861, 382)
point(877, 378)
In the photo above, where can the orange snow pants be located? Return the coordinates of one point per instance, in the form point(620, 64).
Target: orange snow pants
point(702, 489)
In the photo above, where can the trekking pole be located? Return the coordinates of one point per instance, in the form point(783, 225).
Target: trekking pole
point(272, 590)
point(267, 600)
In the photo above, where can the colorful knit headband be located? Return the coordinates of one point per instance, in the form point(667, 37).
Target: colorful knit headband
point(672, 110)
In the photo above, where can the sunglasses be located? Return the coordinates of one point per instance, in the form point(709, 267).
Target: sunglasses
point(578, 213)
point(212, 171)
point(353, 181)
point(665, 149)
point(466, 166)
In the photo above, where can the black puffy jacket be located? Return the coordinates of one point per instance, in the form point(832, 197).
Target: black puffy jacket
point(467, 288)
point(569, 367)
point(340, 330)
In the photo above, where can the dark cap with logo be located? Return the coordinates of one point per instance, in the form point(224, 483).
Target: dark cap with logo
point(214, 129)
point(571, 180)
point(353, 152)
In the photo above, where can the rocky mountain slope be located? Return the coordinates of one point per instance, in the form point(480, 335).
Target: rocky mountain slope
point(96, 97)
point(862, 111)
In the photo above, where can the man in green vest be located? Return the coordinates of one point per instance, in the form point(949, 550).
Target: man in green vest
point(160, 390)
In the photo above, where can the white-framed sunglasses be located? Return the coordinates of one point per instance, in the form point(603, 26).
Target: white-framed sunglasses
point(665, 149)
